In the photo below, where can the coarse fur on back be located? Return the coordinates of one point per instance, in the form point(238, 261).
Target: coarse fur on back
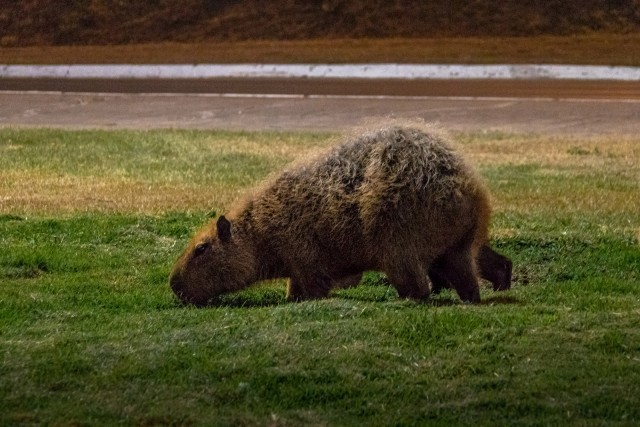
point(399, 198)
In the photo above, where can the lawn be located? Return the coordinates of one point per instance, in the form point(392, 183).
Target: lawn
point(90, 334)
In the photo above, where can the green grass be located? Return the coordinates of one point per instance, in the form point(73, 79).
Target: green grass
point(90, 333)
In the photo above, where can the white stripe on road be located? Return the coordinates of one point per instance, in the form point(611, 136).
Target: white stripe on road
point(364, 71)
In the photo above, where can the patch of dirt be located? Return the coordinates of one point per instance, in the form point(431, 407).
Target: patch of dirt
point(605, 49)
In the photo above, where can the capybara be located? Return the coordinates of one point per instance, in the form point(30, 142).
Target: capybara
point(395, 199)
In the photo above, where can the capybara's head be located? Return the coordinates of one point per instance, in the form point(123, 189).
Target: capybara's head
point(217, 261)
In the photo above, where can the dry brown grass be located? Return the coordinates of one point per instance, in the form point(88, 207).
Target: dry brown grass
point(65, 172)
point(560, 174)
point(607, 49)
point(527, 173)
point(611, 153)
point(33, 192)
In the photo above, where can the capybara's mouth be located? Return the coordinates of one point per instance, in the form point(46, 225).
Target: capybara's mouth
point(179, 289)
point(190, 300)
point(177, 286)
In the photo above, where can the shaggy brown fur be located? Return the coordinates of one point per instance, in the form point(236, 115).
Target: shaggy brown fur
point(394, 199)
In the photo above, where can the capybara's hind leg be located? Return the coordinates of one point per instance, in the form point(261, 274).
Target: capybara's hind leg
point(410, 282)
point(495, 267)
point(456, 266)
point(492, 266)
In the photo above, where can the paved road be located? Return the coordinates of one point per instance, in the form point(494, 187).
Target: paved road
point(546, 106)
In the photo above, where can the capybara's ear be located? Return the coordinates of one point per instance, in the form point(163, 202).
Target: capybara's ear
point(224, 229)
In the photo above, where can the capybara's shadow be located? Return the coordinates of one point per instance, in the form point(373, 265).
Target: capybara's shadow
point(274, 298)
point(438, 301)
point(242, 300)
point(501, 300)
point(248, 300)
point(380, 291)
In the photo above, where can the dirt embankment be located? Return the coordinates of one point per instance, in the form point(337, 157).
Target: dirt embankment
point(98, 22)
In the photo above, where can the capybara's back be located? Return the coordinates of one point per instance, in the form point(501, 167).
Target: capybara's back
point(395, 199)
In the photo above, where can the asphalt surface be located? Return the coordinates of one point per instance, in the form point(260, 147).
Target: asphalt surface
point(542, 105)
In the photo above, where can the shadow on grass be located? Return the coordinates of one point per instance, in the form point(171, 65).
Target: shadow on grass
point(8, 217)
point(501, 300)
point(230, 303)
point(271, 297)
point(250, 298)
point(452, 299)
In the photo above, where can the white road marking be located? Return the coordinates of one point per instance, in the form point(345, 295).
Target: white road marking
point(364, 71)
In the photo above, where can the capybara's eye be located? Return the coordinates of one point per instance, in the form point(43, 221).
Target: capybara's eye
point(200, 249)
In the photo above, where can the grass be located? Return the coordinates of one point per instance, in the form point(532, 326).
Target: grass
point(91, 221)
point(596, 49)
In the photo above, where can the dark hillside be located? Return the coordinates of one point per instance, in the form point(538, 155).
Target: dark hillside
point(71, 22)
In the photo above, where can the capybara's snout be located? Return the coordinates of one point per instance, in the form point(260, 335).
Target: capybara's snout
point(178, 287)
point(188, 298)
point(183, 292)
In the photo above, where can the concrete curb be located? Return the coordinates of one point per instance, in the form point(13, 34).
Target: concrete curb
point(364, 71)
